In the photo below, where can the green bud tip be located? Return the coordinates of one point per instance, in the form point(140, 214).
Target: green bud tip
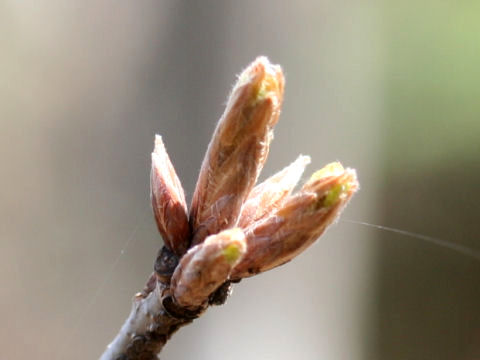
point(333, 195)
point(231, 253)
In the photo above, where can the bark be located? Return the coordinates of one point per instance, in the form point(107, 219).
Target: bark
point(154, 318)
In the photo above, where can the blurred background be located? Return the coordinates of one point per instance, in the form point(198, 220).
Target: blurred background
point(389, 88)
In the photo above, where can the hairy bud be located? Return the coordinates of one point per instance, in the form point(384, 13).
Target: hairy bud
point(301, 219)
point(168, 201)
point(207, 266)
point(238, 149)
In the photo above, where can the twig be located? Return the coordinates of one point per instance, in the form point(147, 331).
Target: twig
point(233, 230)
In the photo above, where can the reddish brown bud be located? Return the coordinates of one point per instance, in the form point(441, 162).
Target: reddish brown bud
point(301, 219)
point(207, 266)
point(168, 201)
point(238, 149)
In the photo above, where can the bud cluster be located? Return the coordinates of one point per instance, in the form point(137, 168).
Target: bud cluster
point(235, 229)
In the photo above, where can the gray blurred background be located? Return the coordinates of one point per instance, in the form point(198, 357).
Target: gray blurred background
point(390, 88)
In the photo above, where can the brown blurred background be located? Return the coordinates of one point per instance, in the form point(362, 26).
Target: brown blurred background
point(390, 88)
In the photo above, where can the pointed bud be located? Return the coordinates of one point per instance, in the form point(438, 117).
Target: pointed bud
point(238, 149)
point(168, 201)
point(301, 219)
point(268, 196)
point(207, 266)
